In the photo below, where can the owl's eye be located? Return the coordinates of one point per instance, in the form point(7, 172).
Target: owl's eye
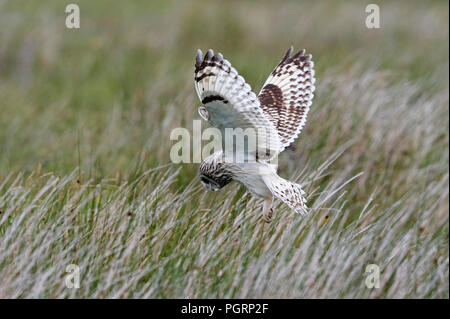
point(204, 180)
point(209, 183)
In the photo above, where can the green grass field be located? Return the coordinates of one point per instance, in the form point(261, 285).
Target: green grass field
point(86, 177)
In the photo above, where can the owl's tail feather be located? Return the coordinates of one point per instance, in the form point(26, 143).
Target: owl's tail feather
point(288, 192)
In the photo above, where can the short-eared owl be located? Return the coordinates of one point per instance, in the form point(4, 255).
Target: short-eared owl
point(280, 110)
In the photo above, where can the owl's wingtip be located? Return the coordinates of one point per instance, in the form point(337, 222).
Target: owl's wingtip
point(218, 57)
point(209, 54)
point(288, 53)
point(198, 58)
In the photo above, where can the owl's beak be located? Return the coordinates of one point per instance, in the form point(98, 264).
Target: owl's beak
point(209, 184)
point(210, 187)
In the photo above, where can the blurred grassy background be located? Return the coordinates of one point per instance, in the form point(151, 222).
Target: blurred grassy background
point(106, 96)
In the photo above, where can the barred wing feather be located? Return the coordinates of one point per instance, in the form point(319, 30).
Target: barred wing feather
point(230, 103)
point(287, 95)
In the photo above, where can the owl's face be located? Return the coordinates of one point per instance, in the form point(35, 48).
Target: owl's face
point(210, 183)
point(213, 174)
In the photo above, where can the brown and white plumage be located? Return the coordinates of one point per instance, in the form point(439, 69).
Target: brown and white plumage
point(287, 95)
point(279, 112)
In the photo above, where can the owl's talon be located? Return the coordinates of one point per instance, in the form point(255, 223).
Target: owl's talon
point(268, 216)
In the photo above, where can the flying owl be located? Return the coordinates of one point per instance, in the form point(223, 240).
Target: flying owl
point(279, 112)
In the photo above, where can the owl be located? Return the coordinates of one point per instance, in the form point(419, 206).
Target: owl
point(275, 117)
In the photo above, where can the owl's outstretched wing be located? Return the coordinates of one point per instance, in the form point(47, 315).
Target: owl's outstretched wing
point(230, 103)
point(287, 95)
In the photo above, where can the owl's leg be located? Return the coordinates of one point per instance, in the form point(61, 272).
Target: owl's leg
point(267, 210)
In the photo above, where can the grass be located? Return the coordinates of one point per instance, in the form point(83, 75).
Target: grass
point(86, 178)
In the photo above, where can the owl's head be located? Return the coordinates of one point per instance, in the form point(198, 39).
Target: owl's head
point(213, 173)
